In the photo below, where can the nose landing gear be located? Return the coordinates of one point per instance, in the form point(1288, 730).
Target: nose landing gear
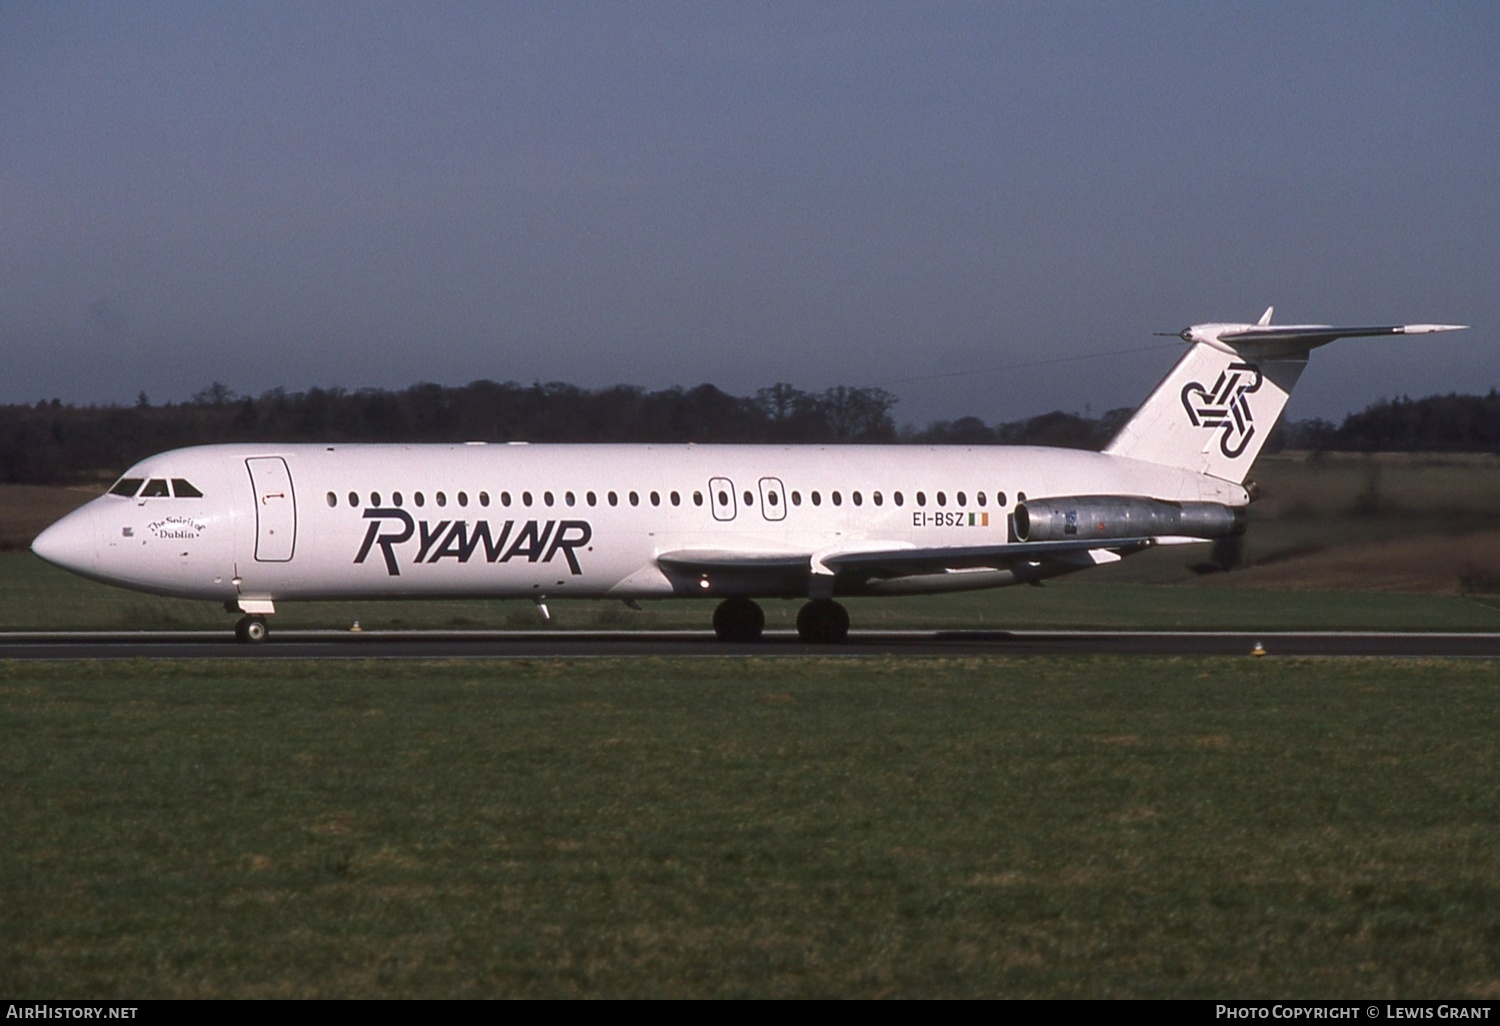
point(251, 630)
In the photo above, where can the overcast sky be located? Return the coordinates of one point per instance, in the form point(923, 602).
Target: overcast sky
point(949, 200)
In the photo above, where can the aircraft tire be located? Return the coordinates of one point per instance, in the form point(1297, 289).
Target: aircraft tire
point(739, 619)
point(251, 630)
point(822, 622)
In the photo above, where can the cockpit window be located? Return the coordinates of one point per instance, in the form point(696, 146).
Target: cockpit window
point(156, 488)
point(184, 489)
point(127, 486)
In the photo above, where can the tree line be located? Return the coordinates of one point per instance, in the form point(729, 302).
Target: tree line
point(53, 442)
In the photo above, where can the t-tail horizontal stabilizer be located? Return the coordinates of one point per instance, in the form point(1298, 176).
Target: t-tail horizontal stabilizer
point(1290, 339)
point(1215, 410)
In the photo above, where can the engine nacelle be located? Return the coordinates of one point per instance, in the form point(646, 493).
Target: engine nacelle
point(1123, 516)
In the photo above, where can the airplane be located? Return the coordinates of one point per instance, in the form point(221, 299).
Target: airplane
point(254, 525)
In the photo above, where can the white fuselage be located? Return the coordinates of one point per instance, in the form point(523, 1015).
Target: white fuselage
point(289, 522)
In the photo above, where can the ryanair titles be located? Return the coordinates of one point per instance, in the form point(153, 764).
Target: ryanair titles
point(396, 533)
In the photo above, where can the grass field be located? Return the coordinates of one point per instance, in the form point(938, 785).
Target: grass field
point(1033, 827)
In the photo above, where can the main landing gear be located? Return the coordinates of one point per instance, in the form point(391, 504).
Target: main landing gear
point(739, 619)
point(251, 630)
point(820, 622)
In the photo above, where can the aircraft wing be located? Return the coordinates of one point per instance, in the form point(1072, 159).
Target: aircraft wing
point(908, 561)
point(895, 562)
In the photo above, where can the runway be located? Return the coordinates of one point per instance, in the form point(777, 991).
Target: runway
point(293, 644)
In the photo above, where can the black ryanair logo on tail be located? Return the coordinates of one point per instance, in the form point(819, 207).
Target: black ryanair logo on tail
point(1226, 405)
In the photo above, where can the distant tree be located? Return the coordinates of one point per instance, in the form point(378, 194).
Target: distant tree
point(216, 394)
point(1437, 423)
point(963, 431)
point(782, 402)
point(857, 414)
point(52, 442)
point(1067, 430)
point(1316, 435)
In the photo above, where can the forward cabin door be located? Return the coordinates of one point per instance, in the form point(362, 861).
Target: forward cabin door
point(275, 509)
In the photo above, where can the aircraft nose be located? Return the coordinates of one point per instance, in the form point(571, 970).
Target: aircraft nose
point(71, 543)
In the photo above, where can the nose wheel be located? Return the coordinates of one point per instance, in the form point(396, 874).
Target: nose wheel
point(251, 630)
point(823, 622)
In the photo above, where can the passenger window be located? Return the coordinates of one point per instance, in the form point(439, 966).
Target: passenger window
point(396, 498)
point(656, 498)
point(183, 490)
point(921, 498)
point(858, 499)
point(419, 499)
point(127, 486)
point(484, 498)
point(961, 500)
point(635, 499)
point(505, 498)
point(796, 498)
point(333, 500)
point(463, 498)
point(526, 498)
point(942, 498)
point(838, 500)
point(979, 498)
point(593, 500)
point(749, 498)
point(442, 500)
point(817, 500)
point(156, 488)
point(374, 498)
point(354, 498)
point(676, 499)
point(547, 498)
point(614, 500)
point(877, 498)
point(569, 499)
point(999, 498)
point(697, 498)
point(724, 499)
point(771, 498)
point(899, 499)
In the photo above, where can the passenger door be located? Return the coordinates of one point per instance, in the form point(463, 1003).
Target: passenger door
point(275, 509)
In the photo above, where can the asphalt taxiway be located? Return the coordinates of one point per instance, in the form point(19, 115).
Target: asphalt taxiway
point(294, 644)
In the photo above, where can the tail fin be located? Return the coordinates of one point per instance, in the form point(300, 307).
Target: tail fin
point(1216, 408)
point(1212, 413)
